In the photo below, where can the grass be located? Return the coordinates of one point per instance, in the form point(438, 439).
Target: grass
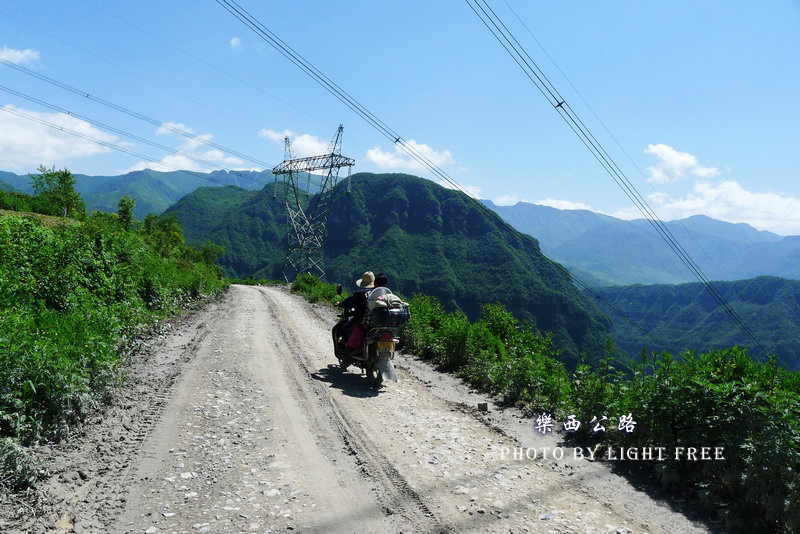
point(46, 220)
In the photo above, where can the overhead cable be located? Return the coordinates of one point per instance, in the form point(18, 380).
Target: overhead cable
point(532, 71)
point(160, 124)
point(105, 143)
point(315, 74)
point(124, 133)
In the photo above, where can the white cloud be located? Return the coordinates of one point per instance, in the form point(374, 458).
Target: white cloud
point(471, 190)
point(235, 43)
point(674, 166)
point(507, 200)
point(27, 142)
point(628, 214)
point(189, 147)
point(275, 136)
point(191, 144)
point(564, 204)
point(303, 145)
point(170, 127)
point(19, 56)
point(729, 201)
point(398, 159)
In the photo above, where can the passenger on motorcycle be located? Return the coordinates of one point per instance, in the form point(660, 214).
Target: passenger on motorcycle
point(381, 283)
point(355, 307)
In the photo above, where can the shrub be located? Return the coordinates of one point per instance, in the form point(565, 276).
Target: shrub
point(719, 399)
point(19, 469)
point(315, 289)
point(496, 353)
point(71, 297)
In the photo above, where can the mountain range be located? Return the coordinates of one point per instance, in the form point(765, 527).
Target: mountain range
point(598, 249)
point(432, 240)
point(603, 251)
point(426, 238)
point(153, 191)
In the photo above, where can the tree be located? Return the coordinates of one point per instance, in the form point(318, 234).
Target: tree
point(57, 189)
point(164, 232)
point(209, 252)
point(125, 210)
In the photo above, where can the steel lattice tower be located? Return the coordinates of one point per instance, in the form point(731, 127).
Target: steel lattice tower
point(306, 226)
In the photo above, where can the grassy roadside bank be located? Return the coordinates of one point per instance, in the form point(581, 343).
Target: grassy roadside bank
point(73, 298)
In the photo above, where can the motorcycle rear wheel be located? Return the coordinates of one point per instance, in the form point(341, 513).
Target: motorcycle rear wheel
point(374, 376)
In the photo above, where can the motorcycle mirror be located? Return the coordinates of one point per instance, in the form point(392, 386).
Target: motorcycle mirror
point(338, 289)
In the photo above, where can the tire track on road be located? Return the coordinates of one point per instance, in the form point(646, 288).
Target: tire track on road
point(395, 494)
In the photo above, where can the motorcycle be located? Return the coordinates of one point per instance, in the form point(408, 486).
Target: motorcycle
point(376, 355)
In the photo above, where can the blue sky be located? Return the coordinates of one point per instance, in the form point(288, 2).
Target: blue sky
point(699, 100)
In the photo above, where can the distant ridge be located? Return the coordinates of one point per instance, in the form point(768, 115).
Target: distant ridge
point(6, 187)
point(605, 251)
point(688, 318)
point(154, 191)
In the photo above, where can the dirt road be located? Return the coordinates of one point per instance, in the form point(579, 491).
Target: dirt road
point(241, 421)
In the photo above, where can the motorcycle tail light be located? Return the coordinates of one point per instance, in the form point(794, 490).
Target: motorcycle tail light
point(387, 336)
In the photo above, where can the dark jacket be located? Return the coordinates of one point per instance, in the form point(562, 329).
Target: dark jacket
point(355, 305)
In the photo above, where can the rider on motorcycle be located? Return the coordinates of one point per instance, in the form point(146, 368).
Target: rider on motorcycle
point(367, 333)
point(355, 307)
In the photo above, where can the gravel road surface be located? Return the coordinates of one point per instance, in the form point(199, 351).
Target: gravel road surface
point(238, 419)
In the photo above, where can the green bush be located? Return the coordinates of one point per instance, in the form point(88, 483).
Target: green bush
point(496, 353)
point(18, 466)
point(720, 399)
point(315, 289)
point(71, 297)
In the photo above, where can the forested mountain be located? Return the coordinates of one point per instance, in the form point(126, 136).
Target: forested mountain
point(6, 187)
point(154, 191)
point(686, 316)
point(602, 250)
point(428, 239)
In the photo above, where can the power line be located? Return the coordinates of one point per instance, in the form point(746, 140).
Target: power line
point(298, 60)
point(124, 133)
point(105, 143)
point(166, 88)
point(532, 71)
point(160, 124)
point(315, 74)
point(228, 74)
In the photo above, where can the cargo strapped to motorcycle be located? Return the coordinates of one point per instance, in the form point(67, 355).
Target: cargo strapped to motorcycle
point(391, 317)
point(384, 308)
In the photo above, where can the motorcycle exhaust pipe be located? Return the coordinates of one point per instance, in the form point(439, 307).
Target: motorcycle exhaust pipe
point(386, 368)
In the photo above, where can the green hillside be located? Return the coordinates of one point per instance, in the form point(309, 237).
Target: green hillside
point(551, 226)
point(428, 239)
point(209, 206)
point(251, 225)
point(686, 316)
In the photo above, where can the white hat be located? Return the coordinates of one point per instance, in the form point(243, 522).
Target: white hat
point(366, 281)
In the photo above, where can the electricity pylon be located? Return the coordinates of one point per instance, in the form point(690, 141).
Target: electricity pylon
point(306, 218)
